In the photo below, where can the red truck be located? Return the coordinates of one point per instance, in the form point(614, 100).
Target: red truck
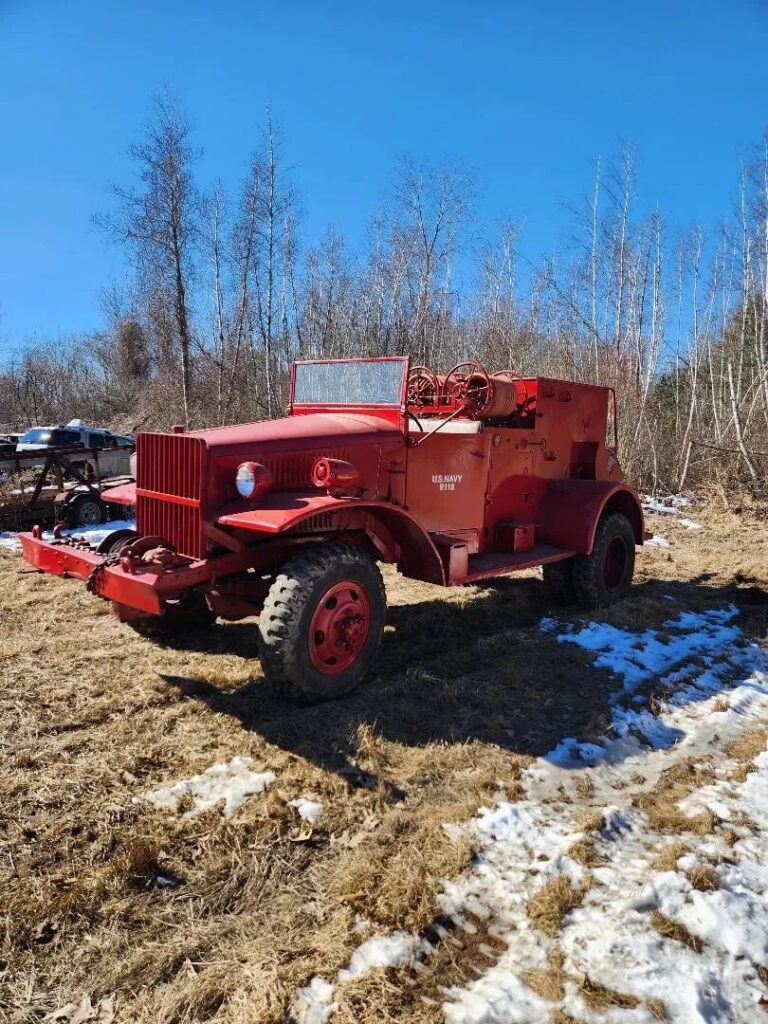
point(453, 478)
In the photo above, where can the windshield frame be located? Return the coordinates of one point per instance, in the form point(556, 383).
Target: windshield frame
point(398, 405)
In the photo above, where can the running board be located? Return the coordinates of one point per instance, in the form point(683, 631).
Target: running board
point(481, 567)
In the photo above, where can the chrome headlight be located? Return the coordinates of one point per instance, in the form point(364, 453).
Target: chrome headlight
point(252, 479)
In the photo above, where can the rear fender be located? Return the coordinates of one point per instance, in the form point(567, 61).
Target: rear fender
point(571, 509)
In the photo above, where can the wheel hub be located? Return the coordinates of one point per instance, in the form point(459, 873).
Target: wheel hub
point(339, 627)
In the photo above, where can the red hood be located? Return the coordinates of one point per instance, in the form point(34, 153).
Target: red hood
point(270, 435)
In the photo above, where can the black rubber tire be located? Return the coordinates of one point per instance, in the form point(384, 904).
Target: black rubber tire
point(558, 579)
point(591, 579)
point(79, 511)
point(288, 610)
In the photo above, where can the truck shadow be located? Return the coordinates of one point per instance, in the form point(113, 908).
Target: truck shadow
point(468, 669)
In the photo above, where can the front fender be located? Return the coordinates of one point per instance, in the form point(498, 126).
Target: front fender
point(395, 533)
point(571, 509)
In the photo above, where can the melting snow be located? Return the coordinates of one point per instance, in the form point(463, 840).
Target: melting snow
point(689, 524)
point(657, 541)
point(309, 810)
point(314, 1003)
point(673, 507)
point(610, 938)
point(96, 534)
point(9, 541)
point(232, 781)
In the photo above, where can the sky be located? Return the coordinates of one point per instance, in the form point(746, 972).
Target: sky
point(526, 94)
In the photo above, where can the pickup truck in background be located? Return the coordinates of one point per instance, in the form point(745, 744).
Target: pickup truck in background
point(114, 450)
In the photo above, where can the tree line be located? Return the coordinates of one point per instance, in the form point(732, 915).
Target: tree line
point(220, 298)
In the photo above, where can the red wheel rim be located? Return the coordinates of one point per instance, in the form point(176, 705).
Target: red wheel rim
point(339, 627)
point(615, 565)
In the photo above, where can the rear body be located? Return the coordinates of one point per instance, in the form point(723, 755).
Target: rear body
point(452, 479)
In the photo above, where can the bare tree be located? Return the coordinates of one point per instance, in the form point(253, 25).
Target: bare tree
point(158, 219)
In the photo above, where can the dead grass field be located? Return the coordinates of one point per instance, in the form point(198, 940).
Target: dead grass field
point(467, 691)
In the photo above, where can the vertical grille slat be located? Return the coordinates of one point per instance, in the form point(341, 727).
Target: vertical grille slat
point(294, 469)
point(171, 464)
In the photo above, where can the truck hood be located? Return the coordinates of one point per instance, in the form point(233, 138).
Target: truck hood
point(291, 432)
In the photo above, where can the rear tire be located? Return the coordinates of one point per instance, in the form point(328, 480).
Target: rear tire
point(558, 579)
point(322, 623)
point(605, 575)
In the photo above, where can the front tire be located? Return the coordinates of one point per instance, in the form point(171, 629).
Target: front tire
point(322, 622)
point(605, 575)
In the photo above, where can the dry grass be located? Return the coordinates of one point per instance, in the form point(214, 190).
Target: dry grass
point(590, 821)
point(552, 902)
point(392, 878)
point(669, 856)
point(744, 749)
point(548, 982)
point(661, 803)
point(670, 929)
point(583, 852)
point(704, 878)
point(658, 1009)
point(462, 953)
point(598, 996)
point(467, 691)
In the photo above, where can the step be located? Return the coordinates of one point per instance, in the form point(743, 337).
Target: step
point(512, 535)
point(496, 563)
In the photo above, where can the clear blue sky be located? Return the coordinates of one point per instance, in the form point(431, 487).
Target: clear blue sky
point(526, 93)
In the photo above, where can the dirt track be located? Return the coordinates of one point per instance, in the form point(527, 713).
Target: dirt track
point(467, 691)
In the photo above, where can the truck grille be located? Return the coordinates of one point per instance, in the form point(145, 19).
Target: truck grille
point(169, 490)
point(294, 469)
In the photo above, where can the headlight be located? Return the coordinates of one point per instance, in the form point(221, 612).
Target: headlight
point(252, 479)
point(132, 464)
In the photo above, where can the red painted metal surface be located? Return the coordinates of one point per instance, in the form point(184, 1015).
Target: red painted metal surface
point(339, 627)
point(124, 494)
point(171, 480)
point(481, 474)
point(335, 475)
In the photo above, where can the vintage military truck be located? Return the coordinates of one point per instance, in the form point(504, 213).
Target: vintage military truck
point(453, 478)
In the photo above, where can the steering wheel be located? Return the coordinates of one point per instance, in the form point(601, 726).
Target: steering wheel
point(517, 380)
point(469, 382)
point(423, 387)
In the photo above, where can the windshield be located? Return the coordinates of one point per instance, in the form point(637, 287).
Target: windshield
point(44, 435)
point(36, 437)
point(350, 382)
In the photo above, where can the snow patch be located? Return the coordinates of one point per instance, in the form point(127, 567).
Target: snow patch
point(670, 506)
point(96, 534)
point(9, 541)
point(657, 541)
point(309, 810)
point(610, 938)
point(689, 524)
point(232, 782)
point(314, 1003)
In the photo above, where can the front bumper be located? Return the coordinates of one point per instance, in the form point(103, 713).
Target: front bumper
point(129, 583)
